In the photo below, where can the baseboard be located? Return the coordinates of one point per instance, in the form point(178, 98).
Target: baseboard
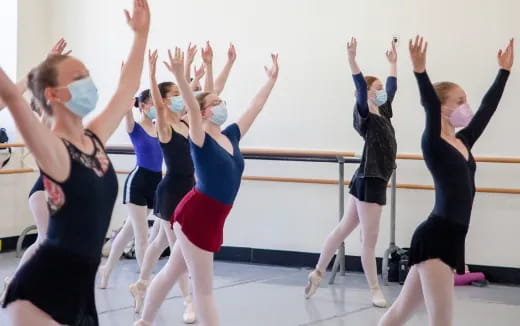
point(502, 275)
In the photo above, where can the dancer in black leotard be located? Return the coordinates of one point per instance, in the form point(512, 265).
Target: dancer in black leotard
point(57, 284)
point(438, 243)
point(37, 202)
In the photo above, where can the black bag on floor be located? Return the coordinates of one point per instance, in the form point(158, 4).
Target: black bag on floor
point(398, 266)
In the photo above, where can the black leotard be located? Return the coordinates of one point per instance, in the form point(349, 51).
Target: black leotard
point(179, 178)
point(443, 234)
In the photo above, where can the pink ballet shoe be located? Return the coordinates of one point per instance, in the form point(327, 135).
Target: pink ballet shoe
point(313, 283)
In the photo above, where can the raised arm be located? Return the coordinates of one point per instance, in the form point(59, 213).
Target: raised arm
point(48, 150)
point(222, 78)
point(391, 81)
point(107, 121)
point(188, 61)
point(197, 133)
point(490, 101)
point(197, 76)
point(359, 80)
point(129, 116)
point(163, 128)
point(256, 106)
point(207, 57)
point(21, 86)
point(429, 99)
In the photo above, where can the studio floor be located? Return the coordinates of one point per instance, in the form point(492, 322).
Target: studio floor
point(250, 295)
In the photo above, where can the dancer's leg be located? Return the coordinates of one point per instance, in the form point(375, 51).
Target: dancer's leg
point(200, 266)
point(370, 217)
point(437, 286)
point(410, 298)
point(116, 250)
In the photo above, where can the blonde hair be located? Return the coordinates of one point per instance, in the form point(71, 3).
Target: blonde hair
point(443, 89)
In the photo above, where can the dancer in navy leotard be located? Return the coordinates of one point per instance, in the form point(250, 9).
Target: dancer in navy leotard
point(140, 185)
point(199, 219)
point(372, 120)
point(179, 179)
point(57, 284)
point(437, 247)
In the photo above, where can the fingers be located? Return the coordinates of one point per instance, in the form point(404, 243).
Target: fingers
point(127, 15)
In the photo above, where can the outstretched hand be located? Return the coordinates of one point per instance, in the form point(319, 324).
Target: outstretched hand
point(191, 53)
point(232, 53)
point(272, 72)
point(139, 22)
point(418, 50)
point(352, 48)
point(391, 54)
point(207, 54)
point(506, 57)
point(152, 61)
point(59, 47)
point(199, 73)
point(176, 64)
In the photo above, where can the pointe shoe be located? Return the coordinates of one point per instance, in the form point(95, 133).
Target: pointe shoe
point(142, 323)
point(313, 283)
point(138, 291)
point(7, 281)
point(378, 298)
point(189, 314)
point(105, 274)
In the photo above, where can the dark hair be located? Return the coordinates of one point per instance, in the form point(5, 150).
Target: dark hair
point(43, 76)
point(34, 106)
point(143, 97)
point(200, 99)
point(164, 88)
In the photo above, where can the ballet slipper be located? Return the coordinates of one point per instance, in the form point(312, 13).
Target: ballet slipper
point(189, 313)
point(104, 272)
point(378, 298)
point(138, 291)
point(313, 283)
point(142, 323)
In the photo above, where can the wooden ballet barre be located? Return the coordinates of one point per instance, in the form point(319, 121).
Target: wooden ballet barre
point(11, 145)
point(17, 171)
point(511, 191)
point(483, 159)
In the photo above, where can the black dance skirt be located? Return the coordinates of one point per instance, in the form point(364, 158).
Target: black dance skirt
point(439, 238)
point(59, 283)
point(369, 190)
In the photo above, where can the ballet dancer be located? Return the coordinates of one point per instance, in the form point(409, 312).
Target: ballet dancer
point(56, 286)
point(437, 247)
point(372, 120)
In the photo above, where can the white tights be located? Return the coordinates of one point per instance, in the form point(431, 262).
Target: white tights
point(431, 283)
point(185, 257)
point(369, 215)
point(136, 225)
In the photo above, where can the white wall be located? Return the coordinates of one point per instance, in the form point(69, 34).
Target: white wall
point(8, 22)
point(311, 105)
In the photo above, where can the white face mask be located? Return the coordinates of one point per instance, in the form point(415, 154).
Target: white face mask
point(219, 114)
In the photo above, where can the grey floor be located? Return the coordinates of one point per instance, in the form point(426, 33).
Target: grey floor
point(249, 295)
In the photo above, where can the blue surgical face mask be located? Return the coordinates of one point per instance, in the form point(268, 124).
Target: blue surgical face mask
point(219, 114)
point(152, 113)
point(177, 104)
point(84, 97)
point(381, 97)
